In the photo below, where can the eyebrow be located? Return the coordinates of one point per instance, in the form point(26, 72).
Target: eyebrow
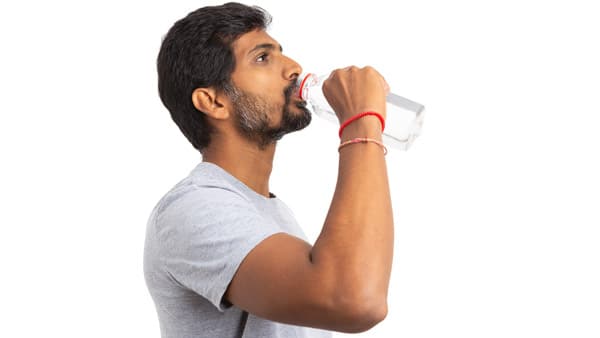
point(269, 46)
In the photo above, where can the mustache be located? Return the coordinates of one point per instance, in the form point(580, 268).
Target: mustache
point(289, 90)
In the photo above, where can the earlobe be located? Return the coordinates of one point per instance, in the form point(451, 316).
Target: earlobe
point(208, 101)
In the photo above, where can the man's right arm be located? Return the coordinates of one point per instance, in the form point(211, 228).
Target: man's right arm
point(341, 282)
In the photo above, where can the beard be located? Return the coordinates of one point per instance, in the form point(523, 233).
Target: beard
point(252, 118)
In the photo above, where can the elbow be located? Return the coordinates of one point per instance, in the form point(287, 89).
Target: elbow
point(361, 315)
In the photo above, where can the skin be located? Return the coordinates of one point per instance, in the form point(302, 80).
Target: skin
point(341, 282)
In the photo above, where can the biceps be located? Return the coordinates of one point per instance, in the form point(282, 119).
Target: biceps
point(277, 281)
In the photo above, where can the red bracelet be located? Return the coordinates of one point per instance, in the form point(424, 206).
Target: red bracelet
point(357, 116)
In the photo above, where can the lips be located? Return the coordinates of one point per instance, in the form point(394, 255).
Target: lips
point(292, 91)
point(296, 93)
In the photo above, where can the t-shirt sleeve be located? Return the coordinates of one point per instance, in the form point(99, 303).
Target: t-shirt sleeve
point(206, 233)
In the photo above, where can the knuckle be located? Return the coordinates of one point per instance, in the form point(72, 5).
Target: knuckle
point(370, 70)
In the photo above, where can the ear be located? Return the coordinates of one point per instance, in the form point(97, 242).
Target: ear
point(211, 103)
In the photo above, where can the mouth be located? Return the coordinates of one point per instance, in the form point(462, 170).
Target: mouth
point(292, 92)
point(296, 93)
point(292, 96)
point(296, 97)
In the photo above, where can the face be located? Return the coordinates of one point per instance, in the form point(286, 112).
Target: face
point(264, 94)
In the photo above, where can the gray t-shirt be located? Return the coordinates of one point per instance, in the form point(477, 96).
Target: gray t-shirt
point(196, 238)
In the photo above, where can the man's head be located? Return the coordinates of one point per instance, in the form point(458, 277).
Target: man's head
point(218, 64)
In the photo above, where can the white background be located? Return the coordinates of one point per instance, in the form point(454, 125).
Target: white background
point(496, 206)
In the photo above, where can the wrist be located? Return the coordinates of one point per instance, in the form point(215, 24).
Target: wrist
point(360, 116)
point(367, 126)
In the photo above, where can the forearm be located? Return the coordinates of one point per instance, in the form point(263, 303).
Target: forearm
point(355, 247)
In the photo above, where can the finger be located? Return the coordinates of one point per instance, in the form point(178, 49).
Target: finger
point(386, 87)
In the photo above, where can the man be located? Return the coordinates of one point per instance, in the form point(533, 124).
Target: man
point(224, 257)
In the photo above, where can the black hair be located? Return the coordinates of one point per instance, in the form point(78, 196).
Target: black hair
point(197, 53)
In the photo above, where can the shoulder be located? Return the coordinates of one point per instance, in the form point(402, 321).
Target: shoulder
point(204, 196)
point(206, 184)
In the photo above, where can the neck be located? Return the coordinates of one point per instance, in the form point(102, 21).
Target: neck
point(244, 161)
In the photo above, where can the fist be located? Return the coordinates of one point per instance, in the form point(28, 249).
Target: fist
point(354, 90)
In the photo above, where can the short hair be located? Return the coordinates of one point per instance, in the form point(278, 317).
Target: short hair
point(197, 53)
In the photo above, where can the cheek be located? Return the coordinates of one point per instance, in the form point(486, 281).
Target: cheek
point(276, 100)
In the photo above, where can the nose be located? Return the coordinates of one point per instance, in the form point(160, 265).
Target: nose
point(292, 69)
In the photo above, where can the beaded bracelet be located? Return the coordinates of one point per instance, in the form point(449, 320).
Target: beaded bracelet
point(363, 140)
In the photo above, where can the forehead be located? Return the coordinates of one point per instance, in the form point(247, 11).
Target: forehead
point(248, 41)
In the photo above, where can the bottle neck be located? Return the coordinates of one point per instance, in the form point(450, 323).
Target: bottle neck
point(305, 81)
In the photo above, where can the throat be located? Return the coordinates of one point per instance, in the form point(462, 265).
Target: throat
point(246, 163)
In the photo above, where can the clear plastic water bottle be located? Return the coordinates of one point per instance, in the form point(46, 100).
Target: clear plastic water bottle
point(404, 117)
